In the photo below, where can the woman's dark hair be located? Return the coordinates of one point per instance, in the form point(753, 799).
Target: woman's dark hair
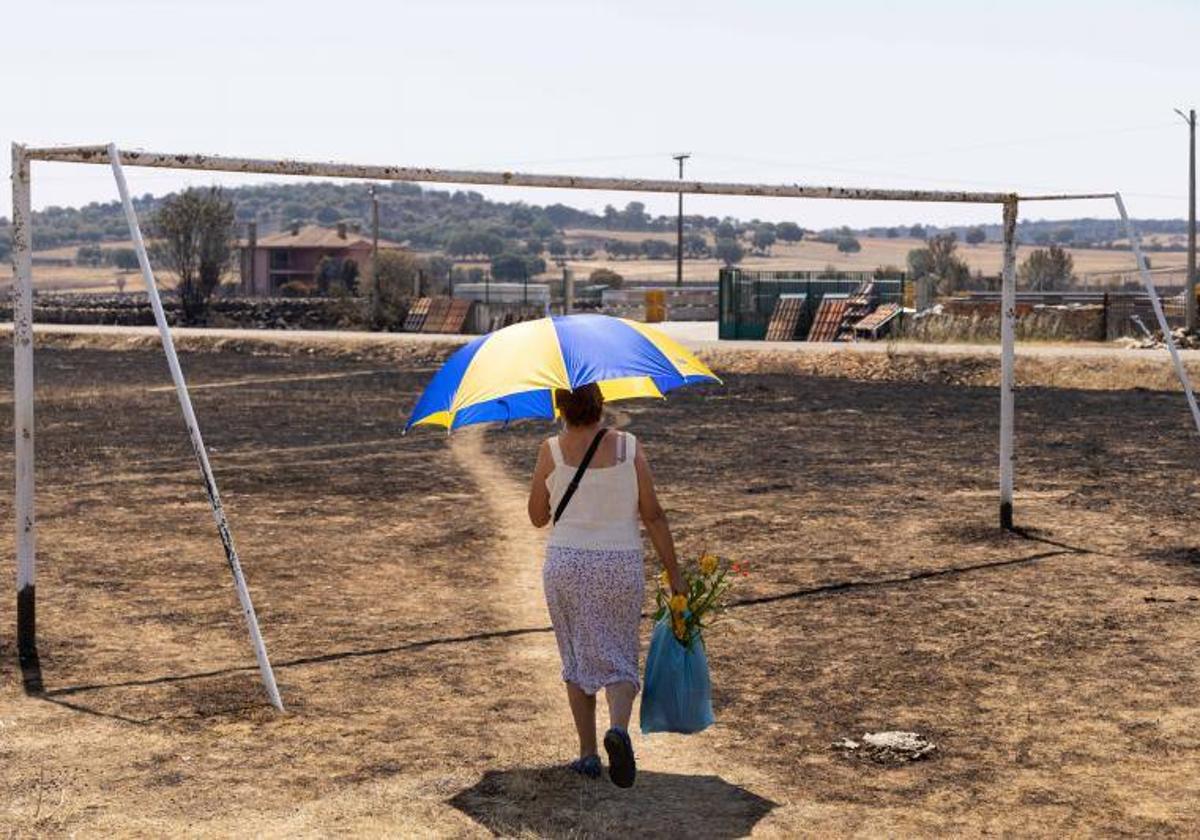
point(582, 406)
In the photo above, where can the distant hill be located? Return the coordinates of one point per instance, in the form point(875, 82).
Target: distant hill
point(431, 219)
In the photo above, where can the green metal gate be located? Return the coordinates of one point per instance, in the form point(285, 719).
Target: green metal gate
point(747, 298)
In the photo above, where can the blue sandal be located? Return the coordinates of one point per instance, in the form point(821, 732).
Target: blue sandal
point(622, 767)
point(588, 766)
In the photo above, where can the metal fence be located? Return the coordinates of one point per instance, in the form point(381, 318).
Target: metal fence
point(747, 298)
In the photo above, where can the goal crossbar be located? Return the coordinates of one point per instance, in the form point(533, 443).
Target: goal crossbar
point(22, 250)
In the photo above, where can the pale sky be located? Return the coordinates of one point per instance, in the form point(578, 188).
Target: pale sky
point(1019, 95)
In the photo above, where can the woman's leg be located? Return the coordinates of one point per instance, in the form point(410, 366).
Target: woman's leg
point(583, 709)
point(620, 703)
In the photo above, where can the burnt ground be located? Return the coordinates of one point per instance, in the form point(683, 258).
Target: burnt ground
point(396, 587)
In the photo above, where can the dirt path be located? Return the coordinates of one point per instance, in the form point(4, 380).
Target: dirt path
point(720, 798)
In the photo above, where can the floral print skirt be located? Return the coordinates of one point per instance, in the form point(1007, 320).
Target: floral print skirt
point(595, 600)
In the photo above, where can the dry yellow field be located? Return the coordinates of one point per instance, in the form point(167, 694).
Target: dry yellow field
point(816, 255)
point(805, 255)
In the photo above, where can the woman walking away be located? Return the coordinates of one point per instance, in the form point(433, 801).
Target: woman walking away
point(593, 484)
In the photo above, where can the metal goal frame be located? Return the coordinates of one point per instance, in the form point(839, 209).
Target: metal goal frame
point(23, 344)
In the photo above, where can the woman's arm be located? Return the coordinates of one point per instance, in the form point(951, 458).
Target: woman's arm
point(655, 520)
point(539, 493)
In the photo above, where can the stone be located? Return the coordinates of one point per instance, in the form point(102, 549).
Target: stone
point(889, 747)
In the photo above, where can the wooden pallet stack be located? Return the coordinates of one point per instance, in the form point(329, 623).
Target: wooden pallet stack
point(437, 315)
point(827, 323)
point(874, 324)
point(786, 317)
point(858, 306)
point(415, 319)
point(438, 308)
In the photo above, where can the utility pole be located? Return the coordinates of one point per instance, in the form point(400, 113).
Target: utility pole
point(679, 226)
point(374, 225)
point(1190, 119)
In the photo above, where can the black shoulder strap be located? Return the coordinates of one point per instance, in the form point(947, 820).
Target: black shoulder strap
point(583, 465)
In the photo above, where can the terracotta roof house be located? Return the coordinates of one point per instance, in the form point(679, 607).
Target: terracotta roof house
point(293, 255)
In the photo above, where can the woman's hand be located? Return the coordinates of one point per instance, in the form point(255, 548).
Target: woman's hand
point(678, 585)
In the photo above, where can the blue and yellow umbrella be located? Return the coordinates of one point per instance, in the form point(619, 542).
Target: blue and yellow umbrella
point(512, 373)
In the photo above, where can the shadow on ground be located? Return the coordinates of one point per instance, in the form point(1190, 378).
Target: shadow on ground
point(554, 802)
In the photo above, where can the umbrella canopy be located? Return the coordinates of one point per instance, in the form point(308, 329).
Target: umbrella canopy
point(513, 372)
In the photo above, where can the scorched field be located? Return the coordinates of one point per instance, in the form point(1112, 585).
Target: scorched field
point(398, 587)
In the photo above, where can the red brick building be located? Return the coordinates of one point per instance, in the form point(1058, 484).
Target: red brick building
point(293, 255)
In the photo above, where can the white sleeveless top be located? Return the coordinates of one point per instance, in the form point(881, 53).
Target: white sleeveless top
point(603, 513)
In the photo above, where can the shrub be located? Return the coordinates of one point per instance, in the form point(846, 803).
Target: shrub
point(196, 236)
point(606, 277)
point(789, 232)
point(388, 285)
point(729, 251)
point(296, 289)
point(1047, 269)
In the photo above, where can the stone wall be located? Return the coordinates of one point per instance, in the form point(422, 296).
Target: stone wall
point(257, 313)
point(982, 323)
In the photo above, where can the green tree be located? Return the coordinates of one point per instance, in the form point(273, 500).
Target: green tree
point(939, 259)
point(557, 247)
point(634, 216)
point(510, 266)
point(388, 286)
point(89, 255)
point(468, 242)
point(1064, 235)
point(1047, 269)
point(917, 232)
point(789, 232)
point(123, 258)
point(334, 275)
point(976, 235)
point(196, 233)
point(695, 245)
point(543, 227)
point(606, 277)
point(656, 249)
point(764, 238)
point(729, 251)
point(848, 245)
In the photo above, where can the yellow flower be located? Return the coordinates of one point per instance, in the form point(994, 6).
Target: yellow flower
point(678, 603)
point(708, 564)
point(664, 580)
point(680, 629)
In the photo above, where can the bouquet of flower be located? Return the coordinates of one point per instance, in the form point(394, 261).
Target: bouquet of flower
point(701, 605)
point(677, 690)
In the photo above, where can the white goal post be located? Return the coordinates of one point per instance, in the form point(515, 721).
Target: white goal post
point(22, 253)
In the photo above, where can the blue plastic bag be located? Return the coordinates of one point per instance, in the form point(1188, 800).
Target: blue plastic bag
point(677, 692)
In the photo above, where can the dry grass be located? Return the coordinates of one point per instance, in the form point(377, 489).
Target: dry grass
point(397, 588)
point(809, 255)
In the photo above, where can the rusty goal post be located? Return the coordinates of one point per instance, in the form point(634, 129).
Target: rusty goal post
point(23, 344)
